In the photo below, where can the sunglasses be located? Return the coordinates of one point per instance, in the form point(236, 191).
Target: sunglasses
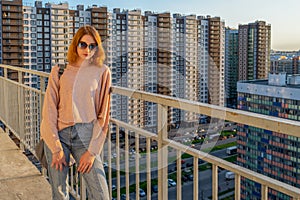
point(84, 45)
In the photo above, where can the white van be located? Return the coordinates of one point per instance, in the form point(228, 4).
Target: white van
point(229, 175)
point(231, 150)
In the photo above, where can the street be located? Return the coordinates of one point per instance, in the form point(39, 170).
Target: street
point(205, 180)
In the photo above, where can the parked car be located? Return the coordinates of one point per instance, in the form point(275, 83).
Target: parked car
point(105, 164)
point(113, 187)
point(190, 177)
point(187, 170)
point(155, 188)
point(171, 182)
point(123, 197)
point(184, 178)
point(142, 193)
point(229, 175)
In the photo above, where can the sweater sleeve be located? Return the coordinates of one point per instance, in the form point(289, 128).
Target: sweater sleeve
point(49, 129)
point(103, 115)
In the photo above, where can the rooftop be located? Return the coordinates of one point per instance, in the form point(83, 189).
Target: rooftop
point(19, 178)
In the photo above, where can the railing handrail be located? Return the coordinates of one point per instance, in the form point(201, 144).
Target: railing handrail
point(253, 119)
point(30, 71)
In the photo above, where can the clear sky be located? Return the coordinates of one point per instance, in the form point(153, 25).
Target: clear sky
point(283, 15)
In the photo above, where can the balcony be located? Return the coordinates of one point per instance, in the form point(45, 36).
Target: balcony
point(13, 96)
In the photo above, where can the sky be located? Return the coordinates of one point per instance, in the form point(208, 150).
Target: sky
point(283, 15)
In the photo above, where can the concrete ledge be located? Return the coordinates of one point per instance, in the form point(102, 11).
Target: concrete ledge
point(19, 178)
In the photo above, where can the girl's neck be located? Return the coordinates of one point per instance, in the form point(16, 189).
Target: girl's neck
point(78, 63)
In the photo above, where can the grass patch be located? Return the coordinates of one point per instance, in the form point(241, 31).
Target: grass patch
point(231, 158)
point(224, 146)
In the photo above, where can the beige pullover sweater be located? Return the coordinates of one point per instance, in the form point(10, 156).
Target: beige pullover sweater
point(80, 95)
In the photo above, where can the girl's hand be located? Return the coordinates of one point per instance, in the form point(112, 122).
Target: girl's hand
point(58, 160)
point(86, 162)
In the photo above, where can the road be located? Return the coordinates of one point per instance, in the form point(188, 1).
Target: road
point(205, 180)
point(205, 187)
point(172, 156)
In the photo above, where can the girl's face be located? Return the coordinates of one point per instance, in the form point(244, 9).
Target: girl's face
point(86, 48)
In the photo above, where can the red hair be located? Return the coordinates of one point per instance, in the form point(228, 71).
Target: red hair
point(99, 56)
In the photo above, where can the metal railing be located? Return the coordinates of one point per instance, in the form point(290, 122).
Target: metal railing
point(18, 101)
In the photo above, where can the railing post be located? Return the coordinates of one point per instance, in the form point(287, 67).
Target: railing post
point(237, 183)
point(42, 89)
point(148, 158)
point(214, 182)
point(110, 163)
point(179, 175)
point(127, 183)
point(82, 188)
point(264, 192)
point(21, 104)
point(5, 96)
point(137, 169)
point(196, 182)
point(162, 152)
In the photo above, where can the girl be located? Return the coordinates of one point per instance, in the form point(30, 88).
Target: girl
point(76, 115)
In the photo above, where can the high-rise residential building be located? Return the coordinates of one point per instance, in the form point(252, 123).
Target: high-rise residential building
point(127, 63)
point(78, 18)
point(150, 65)
point(286, 64)
point(254, 50)
point(135, 56)
point(99, 20)
point(31, 110)
point(11, 34)
point(211, 53)
point(276, 55)
point(270, 153)
point(185, 41)
point(43, 33)
point(231, 66)
point(119, 69)
point(216, 70)
point(1, 21)
point(164, 57)
point(60, 31)
point(203, 59)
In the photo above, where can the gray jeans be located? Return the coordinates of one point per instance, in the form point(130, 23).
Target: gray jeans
point(75, 140)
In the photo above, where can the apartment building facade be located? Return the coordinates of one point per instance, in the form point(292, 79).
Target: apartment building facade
point(60, 32)
point(185, 38)
point(211, 55)
point(272, 154)
point(285, 64)
point(231, 66)
point(254, 50)
point(11, 34)
point(154, 52)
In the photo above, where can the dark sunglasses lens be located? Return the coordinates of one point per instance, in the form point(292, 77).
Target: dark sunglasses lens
point(92, 46)
point(82, 45)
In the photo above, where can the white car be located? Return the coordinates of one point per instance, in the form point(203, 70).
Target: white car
point(105, 164)
point(113, 187)
point(142, 193)
point(171, 182)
